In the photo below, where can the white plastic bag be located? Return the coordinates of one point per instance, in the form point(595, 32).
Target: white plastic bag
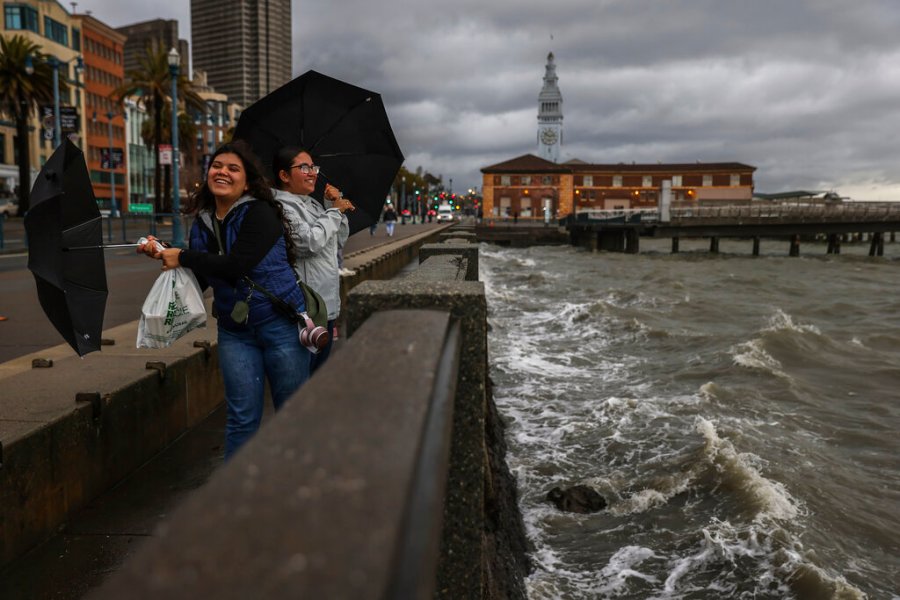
point(173, 307)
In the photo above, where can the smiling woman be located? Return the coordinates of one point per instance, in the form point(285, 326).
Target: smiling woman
point(239, 247)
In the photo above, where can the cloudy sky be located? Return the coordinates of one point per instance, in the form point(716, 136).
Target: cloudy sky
point(808, 91)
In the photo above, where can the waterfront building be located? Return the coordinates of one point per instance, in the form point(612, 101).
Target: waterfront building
point(153, 36)
point(527, 184)
point(47, 24)
point(550, 117)
point(244, 46)
point(105, 148)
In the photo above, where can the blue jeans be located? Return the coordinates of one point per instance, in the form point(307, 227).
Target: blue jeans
point(247, 358)
point(317, 360)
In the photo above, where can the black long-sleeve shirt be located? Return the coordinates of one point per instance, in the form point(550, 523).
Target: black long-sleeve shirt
point(259, 231)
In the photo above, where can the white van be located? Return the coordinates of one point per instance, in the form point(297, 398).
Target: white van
point(444, 213)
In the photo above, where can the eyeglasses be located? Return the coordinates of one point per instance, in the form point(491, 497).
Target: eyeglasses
point(307, 169)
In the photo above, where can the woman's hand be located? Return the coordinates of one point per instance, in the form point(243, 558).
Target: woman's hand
point(343, 205)
point(170, 258)
point(153, 248)
point(332, 193)
point(150, 246)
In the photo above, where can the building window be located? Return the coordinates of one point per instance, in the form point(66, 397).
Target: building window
point(21, 17)
point(676, 181)
point(617, 181)
point(76, 39)
point(546, 180)
point(526, 179)
point(735, 180)
point(56, 31)
point(504, 180)
point(647, 181)
point(588, 180)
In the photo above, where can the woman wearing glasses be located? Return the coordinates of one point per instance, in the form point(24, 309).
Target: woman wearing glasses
point(318, 231)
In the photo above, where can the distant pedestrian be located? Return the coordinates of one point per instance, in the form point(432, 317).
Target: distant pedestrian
point(373, 228)
point(516, 218)
point(390, 219)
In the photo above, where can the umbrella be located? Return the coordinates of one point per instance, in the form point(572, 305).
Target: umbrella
point(345, 128)
point(71, 285)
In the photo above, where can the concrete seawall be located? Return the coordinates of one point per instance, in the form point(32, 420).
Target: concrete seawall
point(58, 453)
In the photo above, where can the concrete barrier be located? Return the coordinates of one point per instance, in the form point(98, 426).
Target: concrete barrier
point(72, 431)
point(338, 496)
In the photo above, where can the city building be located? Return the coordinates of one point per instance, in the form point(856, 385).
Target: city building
point(550, 117)
point(47, 24)
point(139, 163)
point(244, 46)
point(153, 36)
point(105, 151)
point(527, 184)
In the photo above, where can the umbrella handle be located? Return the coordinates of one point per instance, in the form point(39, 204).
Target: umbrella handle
point(159, 246)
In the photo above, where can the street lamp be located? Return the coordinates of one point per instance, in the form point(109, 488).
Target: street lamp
point(55, 64)
point(403, 197)
point(113, 211)
point(177, 235)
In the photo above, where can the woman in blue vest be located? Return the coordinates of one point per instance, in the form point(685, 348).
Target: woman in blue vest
point(239, 246)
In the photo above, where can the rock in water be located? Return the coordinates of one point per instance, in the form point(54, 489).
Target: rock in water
point(577, 499)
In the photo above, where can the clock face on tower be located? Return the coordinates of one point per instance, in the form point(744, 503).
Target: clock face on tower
point(548, 136)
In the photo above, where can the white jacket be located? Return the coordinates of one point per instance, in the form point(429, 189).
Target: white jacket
point(318, 233)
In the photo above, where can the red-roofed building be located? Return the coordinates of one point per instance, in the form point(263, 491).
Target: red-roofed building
point(526, 184)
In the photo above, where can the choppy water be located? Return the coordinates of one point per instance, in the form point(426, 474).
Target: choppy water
point(741, 415)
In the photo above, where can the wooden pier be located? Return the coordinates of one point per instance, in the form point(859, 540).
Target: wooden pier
point(620, 231)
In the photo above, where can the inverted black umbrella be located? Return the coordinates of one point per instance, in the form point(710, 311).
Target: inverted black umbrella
point(345, 128)
point(71, 284)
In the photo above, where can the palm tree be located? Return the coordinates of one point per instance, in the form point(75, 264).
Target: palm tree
point(21, 93)
point(152, 82)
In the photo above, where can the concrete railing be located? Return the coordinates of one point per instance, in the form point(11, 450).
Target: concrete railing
point(338, 496)
point(383, 477)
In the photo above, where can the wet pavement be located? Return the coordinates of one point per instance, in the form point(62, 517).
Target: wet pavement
point(99, 538)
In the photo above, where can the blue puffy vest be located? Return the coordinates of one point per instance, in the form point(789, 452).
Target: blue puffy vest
point(272, 273)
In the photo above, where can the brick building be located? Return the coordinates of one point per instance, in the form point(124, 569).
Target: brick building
point(103, 49)
point(528, 183)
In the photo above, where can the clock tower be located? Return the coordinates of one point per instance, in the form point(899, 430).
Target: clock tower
point(549, 133)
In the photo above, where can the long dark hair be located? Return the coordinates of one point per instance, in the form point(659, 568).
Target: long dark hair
point(257, 186)
point(283, 160)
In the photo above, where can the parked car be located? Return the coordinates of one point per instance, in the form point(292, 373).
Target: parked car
point(9, 206)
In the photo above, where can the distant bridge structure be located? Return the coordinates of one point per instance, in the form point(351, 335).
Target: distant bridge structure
point(621, 230)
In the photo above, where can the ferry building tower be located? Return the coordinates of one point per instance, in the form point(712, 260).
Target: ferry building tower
point(549, 134)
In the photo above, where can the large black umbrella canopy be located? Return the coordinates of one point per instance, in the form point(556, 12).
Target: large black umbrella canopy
point(71, 284)
point(344, 127)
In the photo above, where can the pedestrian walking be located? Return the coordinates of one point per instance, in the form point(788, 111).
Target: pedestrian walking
point(319, 231)
point(390, 219)
point(238, 243)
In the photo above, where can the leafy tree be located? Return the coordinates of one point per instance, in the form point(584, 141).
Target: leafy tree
point(21, 93)
point(152, 83)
